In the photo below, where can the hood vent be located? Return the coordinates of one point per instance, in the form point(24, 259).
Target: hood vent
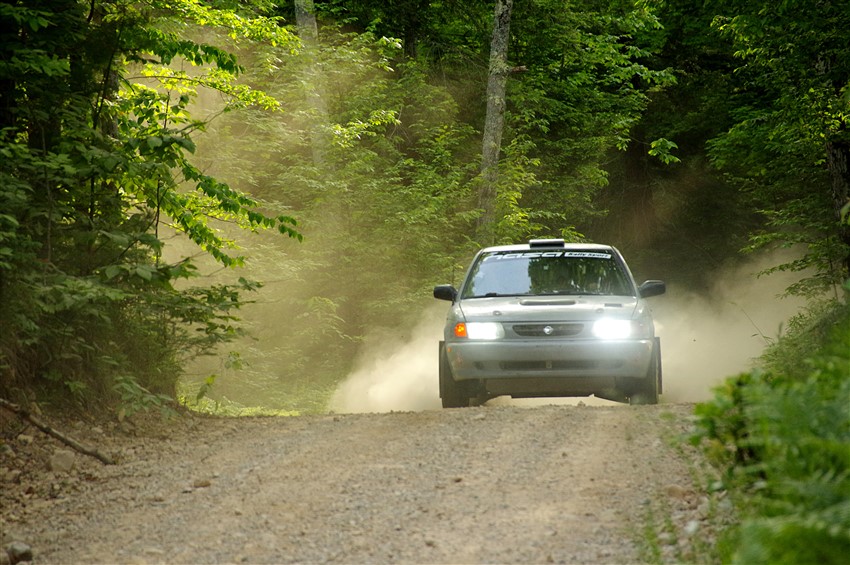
point(553, 301)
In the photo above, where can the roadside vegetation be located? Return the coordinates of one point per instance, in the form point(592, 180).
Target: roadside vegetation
point(168, 167)
point(781, 436)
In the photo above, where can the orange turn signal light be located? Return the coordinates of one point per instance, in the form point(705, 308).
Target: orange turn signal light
point(460, 330)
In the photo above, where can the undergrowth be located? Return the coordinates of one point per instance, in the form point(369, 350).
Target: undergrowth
point(281, 398)
point(781, 436)
point(229, 408)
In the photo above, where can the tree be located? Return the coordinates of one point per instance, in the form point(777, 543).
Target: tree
point(95, 144)
point(789, 145)
point(495, 118)
point(308, 32)
point(675, 211)
point(586, 82)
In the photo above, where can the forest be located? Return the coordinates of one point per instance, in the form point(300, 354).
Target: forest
point(164, 163)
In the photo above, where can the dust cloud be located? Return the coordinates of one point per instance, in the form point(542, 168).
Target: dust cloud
point(396, 372)
point(704, 337)
point(708, 337)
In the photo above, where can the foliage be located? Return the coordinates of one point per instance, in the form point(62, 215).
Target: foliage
point(96, 139)
point(667, 207)
point(785, 442)
point(136, 398)
point(806, 333)
point(583, 86)
point(228, 408)
point(790, 134)
point(375, 211)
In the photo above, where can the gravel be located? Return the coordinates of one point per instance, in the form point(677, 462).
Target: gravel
point(493, 484)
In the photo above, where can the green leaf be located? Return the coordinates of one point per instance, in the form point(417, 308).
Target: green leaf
point(145, 272)
point(113, 271)
point(661, 148)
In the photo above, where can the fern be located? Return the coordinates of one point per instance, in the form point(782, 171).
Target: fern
point(795, 491)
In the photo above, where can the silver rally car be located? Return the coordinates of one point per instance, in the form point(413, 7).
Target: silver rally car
point(549, 318)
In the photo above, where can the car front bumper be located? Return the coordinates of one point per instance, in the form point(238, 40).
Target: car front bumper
point(584, 359)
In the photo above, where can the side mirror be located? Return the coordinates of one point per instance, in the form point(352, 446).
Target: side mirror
point(652, 288)
point(445, 292)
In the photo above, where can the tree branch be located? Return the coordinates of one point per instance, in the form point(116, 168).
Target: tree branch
point(69, 441)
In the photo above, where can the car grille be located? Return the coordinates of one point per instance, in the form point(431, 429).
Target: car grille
point(576, 365)
point(547, 330)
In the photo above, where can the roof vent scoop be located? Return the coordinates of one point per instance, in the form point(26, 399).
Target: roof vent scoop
point(546, 243)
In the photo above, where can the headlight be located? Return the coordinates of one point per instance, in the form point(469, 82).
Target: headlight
point(612, 329)
point(479, 330)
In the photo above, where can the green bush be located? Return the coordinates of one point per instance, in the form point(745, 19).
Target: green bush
point(784, 439)
point(806, 333)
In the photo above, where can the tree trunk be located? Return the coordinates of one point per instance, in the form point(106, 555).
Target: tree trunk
point(308, 32)
point(838, 163)
point(494, 122)
point(305, 19)
point(638, 205)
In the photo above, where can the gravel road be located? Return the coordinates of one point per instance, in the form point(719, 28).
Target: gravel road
point(493, 484)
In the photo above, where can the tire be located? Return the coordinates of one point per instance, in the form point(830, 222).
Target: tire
point(650, 387)
point(658, 360)
point(451, 393)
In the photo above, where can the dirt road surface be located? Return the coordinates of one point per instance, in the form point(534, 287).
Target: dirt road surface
point(493, 484)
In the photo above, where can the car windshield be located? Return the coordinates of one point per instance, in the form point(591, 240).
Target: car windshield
point(523, 273)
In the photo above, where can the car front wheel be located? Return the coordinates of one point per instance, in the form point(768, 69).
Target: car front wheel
point(650, 387)
point(451, 393)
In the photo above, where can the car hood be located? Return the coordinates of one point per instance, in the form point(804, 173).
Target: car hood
point(547, 308)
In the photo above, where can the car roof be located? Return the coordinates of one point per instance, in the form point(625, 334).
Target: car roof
point(550, 244)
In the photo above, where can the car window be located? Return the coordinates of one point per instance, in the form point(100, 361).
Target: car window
point(546, 272)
